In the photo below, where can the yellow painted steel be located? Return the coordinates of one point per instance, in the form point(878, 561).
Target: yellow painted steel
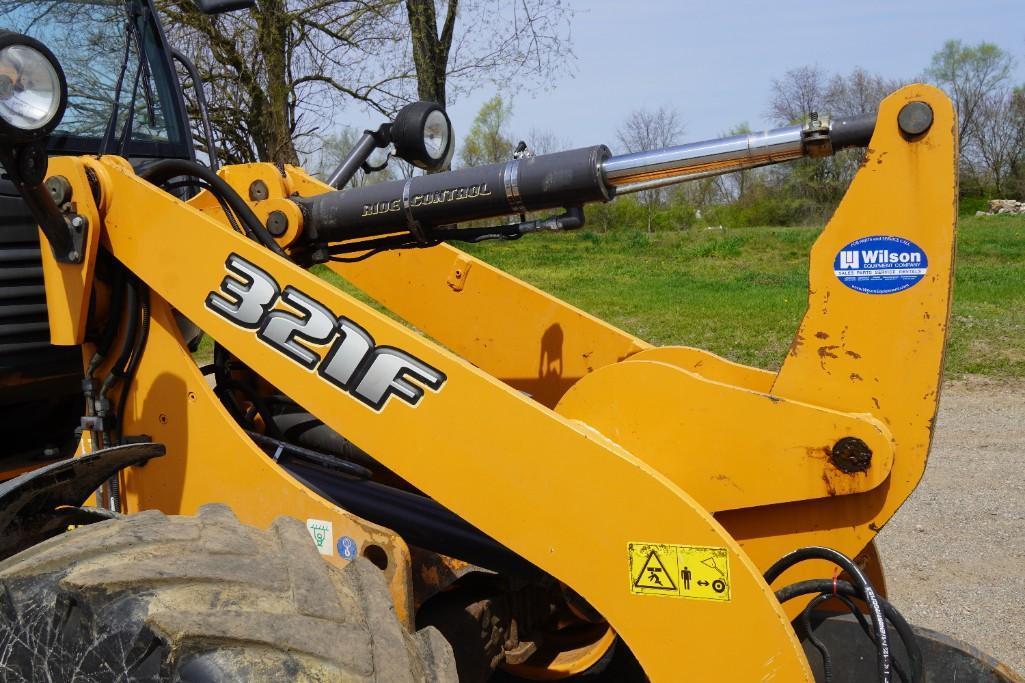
point(729, 447)
point(881, 355)
point(664, 446)
point(506, 450)
point(711, 366)
point(876, 358)
point(69, 285)
point(512, 330)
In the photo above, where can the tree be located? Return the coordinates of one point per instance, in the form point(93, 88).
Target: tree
point(999, 145)
point(801, 90)
point(970, 74)
point(819, 183)
point(545, 141)
point(488, 140)
point(646, 129)
point(275, 72)
point(430, 47)
point(860, 92)
point(503, 42)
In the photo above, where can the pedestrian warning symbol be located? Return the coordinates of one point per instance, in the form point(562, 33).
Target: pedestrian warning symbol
point(680, 571)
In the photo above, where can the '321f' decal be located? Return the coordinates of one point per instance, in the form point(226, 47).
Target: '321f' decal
point(353, 362)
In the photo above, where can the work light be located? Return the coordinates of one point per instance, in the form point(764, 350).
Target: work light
point(33, 91)
point(422, 135)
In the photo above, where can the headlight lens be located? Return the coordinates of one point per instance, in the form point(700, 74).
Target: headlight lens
point(436, 132)
point(30, 89)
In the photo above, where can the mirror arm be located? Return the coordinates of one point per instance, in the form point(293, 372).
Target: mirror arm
point(358, 155)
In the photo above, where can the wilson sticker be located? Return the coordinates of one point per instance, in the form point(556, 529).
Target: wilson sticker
point(680, 571)
point(881, 265)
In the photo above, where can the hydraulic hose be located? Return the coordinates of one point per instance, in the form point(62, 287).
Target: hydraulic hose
point(129, 336)
point(825, 587)
point(866, 592)
point(133, 364)
point(165, 169)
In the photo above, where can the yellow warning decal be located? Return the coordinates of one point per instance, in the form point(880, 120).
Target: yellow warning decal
point(680, 571)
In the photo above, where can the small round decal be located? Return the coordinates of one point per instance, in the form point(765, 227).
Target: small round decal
point(346, 547)
point(880, 264)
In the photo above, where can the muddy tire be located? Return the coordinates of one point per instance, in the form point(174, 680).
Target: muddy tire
point(205, 598)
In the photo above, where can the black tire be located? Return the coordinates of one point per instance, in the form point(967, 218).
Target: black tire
point(156, 598)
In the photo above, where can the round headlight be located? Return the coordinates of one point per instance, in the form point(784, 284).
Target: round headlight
point(33, 92)
point(436, 131)
point(422, 135)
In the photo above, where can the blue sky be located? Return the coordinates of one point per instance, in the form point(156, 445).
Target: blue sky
point(715, 61)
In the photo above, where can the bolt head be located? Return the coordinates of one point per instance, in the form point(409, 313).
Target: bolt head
point(850, 455)
point(915, 118)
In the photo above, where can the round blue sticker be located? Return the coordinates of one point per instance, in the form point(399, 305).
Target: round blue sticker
point(880, 264)
point(346, 547)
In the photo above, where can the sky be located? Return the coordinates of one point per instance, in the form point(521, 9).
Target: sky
point(714, 62)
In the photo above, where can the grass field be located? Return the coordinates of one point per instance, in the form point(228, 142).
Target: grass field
point(741, 293)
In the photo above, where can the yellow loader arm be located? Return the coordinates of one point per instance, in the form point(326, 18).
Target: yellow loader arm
point(658, 484)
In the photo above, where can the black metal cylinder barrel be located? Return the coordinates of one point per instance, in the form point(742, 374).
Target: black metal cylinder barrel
point(530, 184)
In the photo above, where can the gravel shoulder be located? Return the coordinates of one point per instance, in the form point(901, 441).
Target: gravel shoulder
point(954, 554)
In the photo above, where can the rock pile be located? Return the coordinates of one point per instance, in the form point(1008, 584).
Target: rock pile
point(1003, 206)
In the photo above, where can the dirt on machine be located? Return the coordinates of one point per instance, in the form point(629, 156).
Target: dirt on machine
point(478, 482)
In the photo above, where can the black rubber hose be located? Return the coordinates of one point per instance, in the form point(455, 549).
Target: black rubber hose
point(827, 663)
point(900, 624)
point(315, 457)
point(117, 299)
point(127, 343)
point(806, 619)
point(133, 364)
point(200, 185)
point(869, 594)
point(165, 169)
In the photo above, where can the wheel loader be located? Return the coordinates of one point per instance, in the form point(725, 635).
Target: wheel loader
point(466, 479)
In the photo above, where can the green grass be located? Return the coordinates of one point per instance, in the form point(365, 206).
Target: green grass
point(741, 293)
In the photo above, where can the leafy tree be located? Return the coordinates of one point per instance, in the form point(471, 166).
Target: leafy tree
point(970, 74)
point(488, 140)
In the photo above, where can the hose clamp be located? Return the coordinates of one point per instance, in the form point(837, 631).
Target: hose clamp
point(511, 181)
point(407, 209)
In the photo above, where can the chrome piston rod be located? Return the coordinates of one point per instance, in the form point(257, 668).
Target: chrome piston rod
point(657, 168)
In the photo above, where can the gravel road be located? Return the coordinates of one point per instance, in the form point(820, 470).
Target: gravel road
point(954, 554)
